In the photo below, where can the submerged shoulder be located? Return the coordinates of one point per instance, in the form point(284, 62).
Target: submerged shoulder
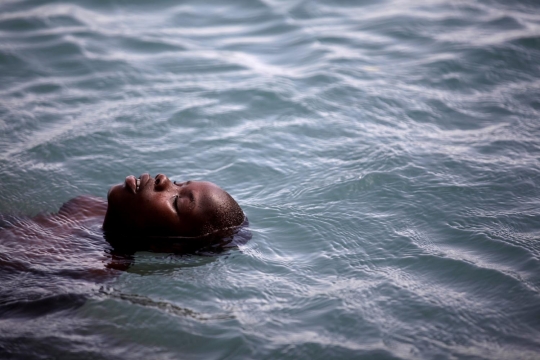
point(84, 206)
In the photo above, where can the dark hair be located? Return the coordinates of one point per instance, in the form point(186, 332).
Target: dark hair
point(223, 216)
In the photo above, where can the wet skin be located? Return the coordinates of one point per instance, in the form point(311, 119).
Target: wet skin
point(159, 206)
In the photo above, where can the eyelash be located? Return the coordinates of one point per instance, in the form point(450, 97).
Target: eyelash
point(191, 200)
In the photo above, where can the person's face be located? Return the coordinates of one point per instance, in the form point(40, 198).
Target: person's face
point(159, 206)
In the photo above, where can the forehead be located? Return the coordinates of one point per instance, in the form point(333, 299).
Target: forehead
point(201, 186)
point(206, 191)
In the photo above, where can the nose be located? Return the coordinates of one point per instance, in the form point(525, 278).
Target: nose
point(161, 182)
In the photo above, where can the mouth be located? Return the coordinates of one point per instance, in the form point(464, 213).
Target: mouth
point(134, 185)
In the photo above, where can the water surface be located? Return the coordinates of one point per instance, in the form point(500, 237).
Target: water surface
point(386, 153)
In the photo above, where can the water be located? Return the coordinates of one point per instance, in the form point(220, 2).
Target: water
point(387, 154)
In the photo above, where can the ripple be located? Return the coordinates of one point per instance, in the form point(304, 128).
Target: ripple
point(386, 155)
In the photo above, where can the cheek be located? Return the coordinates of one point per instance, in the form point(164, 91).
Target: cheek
point(156, 210)
point(114, 193)
point(117, 201)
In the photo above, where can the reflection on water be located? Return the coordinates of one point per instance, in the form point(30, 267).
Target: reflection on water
point(386, 154)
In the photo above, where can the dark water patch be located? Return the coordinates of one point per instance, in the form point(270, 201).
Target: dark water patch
point(15, 66)
point(67, 49)
point(44, 88)
point(146, 46)
point(8, 60)
point(41, 307)
point(64, 21)
point(531, 43)
point(521, 6)
point(385, 154)
point(20, 24)
point(403, 29)
point(504, 23)
point(500, 57)
point(188, 66)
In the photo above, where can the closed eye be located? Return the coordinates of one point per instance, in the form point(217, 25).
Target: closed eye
point(181, 183)
point(176, 203)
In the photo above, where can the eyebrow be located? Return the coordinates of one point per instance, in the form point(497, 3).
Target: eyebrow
point(177, 183)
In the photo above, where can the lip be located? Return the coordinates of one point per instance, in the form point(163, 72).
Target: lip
point(131, 184)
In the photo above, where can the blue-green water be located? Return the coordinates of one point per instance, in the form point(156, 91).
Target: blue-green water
point(387, 154)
